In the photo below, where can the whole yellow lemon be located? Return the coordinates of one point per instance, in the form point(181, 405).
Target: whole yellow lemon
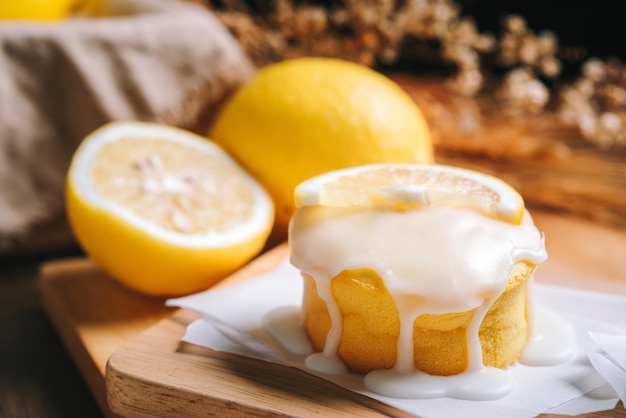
point(302, 117)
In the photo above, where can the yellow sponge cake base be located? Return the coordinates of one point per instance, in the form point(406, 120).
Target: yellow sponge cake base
point(371, 325)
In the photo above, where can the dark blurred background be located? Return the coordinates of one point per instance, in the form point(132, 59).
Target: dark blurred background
point(596, 26)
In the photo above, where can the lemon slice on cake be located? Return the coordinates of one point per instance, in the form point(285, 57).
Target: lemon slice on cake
point(162, 210)
point(408, 185)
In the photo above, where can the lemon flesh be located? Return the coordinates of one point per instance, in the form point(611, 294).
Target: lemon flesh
point(163, 183)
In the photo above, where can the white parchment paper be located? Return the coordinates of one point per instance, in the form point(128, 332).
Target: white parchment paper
point(232, 321)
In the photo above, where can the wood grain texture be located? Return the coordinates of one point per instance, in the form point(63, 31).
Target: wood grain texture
point(94, 315)
point(150, 372)
point(218, 384)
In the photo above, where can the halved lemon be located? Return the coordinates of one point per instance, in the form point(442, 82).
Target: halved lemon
point(408, 185)
point(162, 210)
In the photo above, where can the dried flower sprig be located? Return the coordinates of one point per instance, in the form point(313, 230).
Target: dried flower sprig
point(596, 103)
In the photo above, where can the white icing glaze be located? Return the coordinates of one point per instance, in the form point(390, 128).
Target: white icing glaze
point(452, 259)
point(552, 340)
point(483, 384)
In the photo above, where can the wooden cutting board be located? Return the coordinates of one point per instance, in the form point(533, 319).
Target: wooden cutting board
point(129, 350)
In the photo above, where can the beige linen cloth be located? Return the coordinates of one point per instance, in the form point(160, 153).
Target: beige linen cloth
point(154, 60)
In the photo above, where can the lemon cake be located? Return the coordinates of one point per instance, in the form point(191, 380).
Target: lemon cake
point(415, 268)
